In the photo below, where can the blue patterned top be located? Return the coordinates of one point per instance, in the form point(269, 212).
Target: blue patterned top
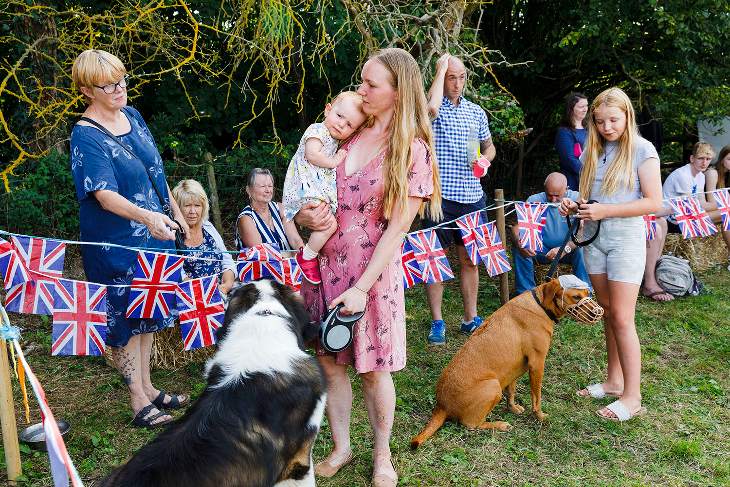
point(450, 130)
point(275, 236)
point(204, 263)
point(99, 162)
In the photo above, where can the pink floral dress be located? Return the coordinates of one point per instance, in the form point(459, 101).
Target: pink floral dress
point(379, 341)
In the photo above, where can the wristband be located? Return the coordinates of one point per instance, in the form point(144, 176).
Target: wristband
point(361, 290)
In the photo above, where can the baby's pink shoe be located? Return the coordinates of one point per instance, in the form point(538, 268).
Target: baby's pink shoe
point(310, 268)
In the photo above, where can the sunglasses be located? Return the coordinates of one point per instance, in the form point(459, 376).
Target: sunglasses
point(112, 87)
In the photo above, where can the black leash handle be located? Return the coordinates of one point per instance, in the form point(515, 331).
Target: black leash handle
point(571, 235)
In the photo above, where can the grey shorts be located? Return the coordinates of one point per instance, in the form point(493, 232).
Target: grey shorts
point(619, 251)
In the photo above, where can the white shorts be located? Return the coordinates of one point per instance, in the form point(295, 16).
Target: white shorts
point(619, 251)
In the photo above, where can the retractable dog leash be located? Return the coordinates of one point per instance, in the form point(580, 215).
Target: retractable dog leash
point(572, 235)
point(335, 332)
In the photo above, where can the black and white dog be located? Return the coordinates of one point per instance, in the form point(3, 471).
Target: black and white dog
point(258, 417)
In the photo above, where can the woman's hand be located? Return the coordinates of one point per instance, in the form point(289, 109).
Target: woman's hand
point(183, 226)
point(353, 300)
point(159, 225)
point(226, 282)
point(568, 206)
point(317, 216)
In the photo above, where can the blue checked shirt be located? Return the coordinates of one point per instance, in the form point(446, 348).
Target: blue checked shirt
point(450, 129)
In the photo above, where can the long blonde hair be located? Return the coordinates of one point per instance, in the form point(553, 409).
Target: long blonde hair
point(619, 175)
point(410, 120)
point(722, 173)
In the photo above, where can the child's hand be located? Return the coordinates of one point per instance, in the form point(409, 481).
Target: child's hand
point(567, 207)
point(592, 212)
point(340, 156)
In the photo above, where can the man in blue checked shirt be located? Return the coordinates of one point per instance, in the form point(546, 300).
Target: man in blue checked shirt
point(452, 115)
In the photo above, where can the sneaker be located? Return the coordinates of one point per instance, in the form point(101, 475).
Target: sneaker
point(310, 268)
point(470, 327)
point(438, 333)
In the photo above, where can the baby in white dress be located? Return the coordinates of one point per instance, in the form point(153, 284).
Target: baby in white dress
point(311, 173)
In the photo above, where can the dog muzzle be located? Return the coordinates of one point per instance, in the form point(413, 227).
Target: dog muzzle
point(586, 311)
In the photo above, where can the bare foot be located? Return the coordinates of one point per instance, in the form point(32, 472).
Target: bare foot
point(657, 295)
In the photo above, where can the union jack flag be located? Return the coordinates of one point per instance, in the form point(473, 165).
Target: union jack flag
point(692, 218)
point(43, 259)
point(431, 256)
point(723, 205)
point(154, 285)
point(79, 318)
point(650, 221)
point(254, 270)
point(466, 225)
point(13, 270)
point(411, 270)
point(261, 253)
point(493, 254)
point(530, 220)
point(201, 311)
point(287, 272)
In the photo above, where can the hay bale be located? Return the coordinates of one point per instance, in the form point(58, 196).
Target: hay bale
point(703, 253)
point(168, 351)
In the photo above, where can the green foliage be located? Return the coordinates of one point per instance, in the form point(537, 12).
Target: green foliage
point(43, 199)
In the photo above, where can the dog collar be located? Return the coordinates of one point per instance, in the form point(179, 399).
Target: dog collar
point(547, 311)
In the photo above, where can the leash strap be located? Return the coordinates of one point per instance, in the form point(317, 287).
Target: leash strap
point(547, 311)
point(571, 235)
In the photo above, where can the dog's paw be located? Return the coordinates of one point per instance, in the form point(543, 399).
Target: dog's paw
point(539, 415)
point(516, 408)
point(502, 426)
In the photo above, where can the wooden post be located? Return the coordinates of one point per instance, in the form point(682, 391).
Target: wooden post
point(7, 417)
point(520, 162)
point(215, 210)
point(503, 281)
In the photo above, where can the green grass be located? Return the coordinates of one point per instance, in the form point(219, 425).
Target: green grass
point(684, 440)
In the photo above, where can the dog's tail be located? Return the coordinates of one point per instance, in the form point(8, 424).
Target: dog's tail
point(437, 419)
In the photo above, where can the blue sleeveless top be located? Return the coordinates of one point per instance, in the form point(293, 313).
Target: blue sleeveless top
point(275, 236)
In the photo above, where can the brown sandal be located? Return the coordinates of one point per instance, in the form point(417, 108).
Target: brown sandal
point(326, 469)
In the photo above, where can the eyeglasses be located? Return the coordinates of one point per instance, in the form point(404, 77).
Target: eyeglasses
point(112, 87)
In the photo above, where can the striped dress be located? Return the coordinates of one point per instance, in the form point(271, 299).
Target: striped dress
point(275, 236)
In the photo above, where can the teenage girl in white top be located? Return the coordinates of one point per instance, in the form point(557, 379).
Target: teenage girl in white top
point(621, 172)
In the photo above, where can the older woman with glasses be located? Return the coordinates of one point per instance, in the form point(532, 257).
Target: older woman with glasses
point(118, 205)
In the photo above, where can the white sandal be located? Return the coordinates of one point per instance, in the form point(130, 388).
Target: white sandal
point(622, 412)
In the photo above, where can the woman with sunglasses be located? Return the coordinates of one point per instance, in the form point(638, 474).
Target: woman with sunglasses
point(118, 205)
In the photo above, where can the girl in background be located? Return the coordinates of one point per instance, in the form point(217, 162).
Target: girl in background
point(571, 138)
point(621, 172)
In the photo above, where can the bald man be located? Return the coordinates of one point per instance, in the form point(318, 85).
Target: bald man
point(553, 234)
point(451, 117)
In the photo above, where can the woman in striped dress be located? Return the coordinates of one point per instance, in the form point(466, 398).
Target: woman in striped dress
point(264, 221)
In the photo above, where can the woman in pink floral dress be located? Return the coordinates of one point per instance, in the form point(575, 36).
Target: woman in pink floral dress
point(387, 177)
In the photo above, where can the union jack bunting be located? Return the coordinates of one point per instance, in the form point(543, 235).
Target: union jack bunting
point(79, 318)
point(287, 272)
point(254, 270)
point(154, 285)
point(43, 259)
point(261, 253)
point(13, 270)
point(530, 220)
point(431, 256)
point(650, 221)
point(692, 218)
point(201, 311)
point(466, 225)
point(493, 254)
point(411, 270)
point(722, 198)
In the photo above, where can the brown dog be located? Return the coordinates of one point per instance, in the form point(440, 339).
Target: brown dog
point(513, 340)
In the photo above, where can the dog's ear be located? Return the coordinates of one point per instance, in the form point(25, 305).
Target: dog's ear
point(549, 291)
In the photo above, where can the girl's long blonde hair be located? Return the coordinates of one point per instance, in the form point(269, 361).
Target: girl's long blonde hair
point(410, 120)
point(619, 175)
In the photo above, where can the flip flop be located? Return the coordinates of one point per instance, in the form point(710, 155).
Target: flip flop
point(596, 391)
point(622, 412)
point(142, 422)
point(658, 293)
point(327, 469)
point(174, 403)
